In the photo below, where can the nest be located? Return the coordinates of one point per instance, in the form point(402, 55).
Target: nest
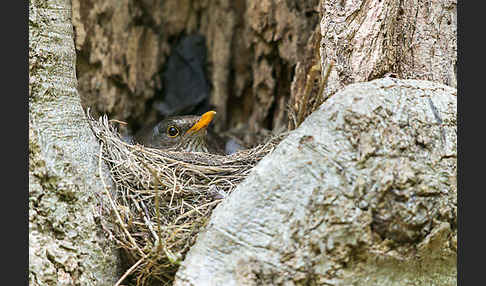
point(162, 199)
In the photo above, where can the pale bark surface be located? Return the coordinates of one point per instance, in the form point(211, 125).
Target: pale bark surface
point(413, 39)
point(363, 193)
point(66, 244)
point(259, 56)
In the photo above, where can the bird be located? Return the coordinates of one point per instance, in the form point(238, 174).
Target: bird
point(187, 133)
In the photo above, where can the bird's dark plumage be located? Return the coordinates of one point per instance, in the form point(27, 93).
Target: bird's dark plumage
point(180, 133)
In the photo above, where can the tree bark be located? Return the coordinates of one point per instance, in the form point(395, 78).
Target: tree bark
point(253, 48)
point(364, 192)
point(260, 53)
point(66, 243)
point(412, 39)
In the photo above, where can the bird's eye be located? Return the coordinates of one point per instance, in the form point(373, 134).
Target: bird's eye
point(172, 131)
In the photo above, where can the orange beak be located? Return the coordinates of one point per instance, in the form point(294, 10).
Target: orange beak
point(203, 122)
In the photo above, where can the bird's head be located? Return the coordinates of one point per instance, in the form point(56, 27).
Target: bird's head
point(181, 133)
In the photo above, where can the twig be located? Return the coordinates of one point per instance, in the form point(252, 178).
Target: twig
point(311, 75)
point(130, 270)
point(146, 216)
point(320, 97)
point(122, 225)
point(118, 121)
point(157, 208)
point(196, 210)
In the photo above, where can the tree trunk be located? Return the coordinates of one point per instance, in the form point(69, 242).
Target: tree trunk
point(253, 48)
point(411, 39)
point(364, 192)
point(260, 54)
point(66, 244)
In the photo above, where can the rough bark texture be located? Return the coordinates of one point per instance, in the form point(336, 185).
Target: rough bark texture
point(66, 245)
point(363, 193)
point(412, 39)
point(259, 51)
point(259, 56)
point(253, 48)
point(118, 56)
point(278, 34)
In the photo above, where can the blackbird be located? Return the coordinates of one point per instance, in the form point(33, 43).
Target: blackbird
point(181, 133)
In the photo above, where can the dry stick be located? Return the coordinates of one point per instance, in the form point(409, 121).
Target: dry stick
point(118, 121)
point(141, 278)
point(193, 208)
point(114, 206)
point(120, 222)
point(173, 189)
point(196, 210)
point(307, 89)
point(157, 208)
point(130, 270)
point(325, 77)
point(293, 118)
point(172, 195)
point(167, 252)
point(146, 215)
